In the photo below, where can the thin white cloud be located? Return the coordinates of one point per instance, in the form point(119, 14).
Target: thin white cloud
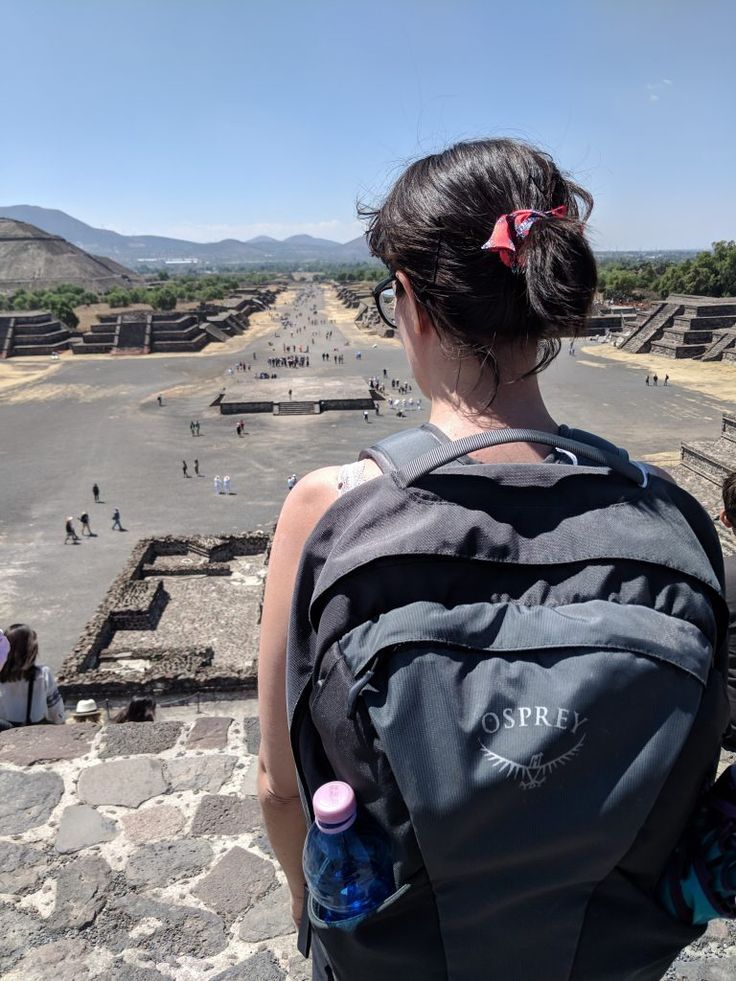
point(657, 89)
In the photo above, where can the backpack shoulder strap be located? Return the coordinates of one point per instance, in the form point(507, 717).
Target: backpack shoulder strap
point(395, 451)
point(29, 702)
point(592, 440)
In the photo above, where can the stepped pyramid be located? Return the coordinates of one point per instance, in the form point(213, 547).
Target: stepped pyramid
point(32, 259)
point(702, 468)
point(682, 326)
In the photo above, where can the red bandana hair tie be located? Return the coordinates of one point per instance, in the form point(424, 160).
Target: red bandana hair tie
point(513, 228)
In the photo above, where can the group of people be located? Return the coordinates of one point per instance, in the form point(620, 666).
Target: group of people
point(71, 535)
point(29, 695)
point(222, 484)
point(655, 380)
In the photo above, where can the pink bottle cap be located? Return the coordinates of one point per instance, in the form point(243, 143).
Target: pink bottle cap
point(334, 807)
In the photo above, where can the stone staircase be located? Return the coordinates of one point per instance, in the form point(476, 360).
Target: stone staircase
point(704, 464)
point(295, 409)
point(723, 346)
point(649, 325)
point(697, 331)
point(31, 333)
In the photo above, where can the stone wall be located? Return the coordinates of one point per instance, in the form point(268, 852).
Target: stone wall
point(138, 597)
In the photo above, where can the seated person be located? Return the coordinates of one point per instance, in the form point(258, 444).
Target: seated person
point(28, 692)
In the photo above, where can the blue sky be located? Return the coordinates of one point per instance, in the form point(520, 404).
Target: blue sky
point(207, 119)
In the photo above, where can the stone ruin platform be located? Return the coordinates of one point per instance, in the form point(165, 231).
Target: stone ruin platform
point(310, 395)
point(182, 616)
point(137, 851)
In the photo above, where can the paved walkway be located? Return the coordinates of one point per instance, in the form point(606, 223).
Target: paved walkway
point(136, 853)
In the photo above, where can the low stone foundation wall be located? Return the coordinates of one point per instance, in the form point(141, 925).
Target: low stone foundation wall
point(157, 593)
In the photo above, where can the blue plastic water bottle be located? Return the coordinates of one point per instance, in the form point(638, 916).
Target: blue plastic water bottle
point(347, 865)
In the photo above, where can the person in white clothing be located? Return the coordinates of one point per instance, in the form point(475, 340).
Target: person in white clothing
point(218, 484)
point(226, 484)
point(28, 692)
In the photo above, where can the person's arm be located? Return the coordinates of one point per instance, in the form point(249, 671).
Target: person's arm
point(54, 702)
point(278, 791)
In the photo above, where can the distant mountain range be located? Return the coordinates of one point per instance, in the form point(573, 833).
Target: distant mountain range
point(133, 250)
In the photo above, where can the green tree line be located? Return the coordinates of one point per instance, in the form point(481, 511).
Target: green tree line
point(709, 273)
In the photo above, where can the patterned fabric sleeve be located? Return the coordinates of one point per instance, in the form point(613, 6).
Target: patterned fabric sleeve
point(54, 701)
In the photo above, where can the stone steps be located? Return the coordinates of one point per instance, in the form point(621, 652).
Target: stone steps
point(709, 495)
point(639, 341)
point(713, 460)
point(295, 409)
point(676, 350)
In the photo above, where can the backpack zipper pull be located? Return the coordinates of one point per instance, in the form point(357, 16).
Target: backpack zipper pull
point(356, 688)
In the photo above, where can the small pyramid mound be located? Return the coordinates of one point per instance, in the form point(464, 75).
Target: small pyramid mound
point(32, 259)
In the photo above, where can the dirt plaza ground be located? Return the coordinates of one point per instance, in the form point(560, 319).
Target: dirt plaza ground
point(65, 427)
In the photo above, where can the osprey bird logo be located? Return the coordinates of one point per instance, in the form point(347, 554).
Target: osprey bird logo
point(534, 773)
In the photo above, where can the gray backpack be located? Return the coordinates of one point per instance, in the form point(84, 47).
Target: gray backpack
point(520, 671)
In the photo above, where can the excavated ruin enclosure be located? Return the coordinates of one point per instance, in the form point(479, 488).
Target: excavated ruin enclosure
point(182, 616)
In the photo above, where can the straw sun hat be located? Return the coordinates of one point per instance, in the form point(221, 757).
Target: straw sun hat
point(86, 706)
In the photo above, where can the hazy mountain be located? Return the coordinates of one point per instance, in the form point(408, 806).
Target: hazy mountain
point(132, 249)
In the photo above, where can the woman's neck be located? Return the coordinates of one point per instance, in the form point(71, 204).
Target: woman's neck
point(517, 405)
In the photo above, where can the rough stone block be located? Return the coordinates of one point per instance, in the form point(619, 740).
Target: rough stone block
point(20, 867)
point(62, 960)
point(269, 917)
point(226, 814)
point(262, 966)
point(209, 733)
point(136, 738)
point(199, 772)
point(27, 799)
point(81, 892)
point(252, 732)
point(153, 823)
point(167, 861)
point(82, 826)
point(235, 883)
point(19, 931)
point(177, 930)
point(45, 744)
point(124, 782)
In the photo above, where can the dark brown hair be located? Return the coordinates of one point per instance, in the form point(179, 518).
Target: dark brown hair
point(140, 708)
point(443, 208)
point(728, 489)
point(21, 660)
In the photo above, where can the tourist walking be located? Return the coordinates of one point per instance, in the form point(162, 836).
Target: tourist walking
point(291, 482)
point(96, 493)
point(71, 534)
point(191, 427)
point(196, 467)
point(159, 400)
point(28, 692)
point(116, 520)
point(654, 379)
point(84, 519)
point(184, 468)
point(666, 379)
point(196, 426)
point(226, 484)
point(646, 381)
point(218, 484)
